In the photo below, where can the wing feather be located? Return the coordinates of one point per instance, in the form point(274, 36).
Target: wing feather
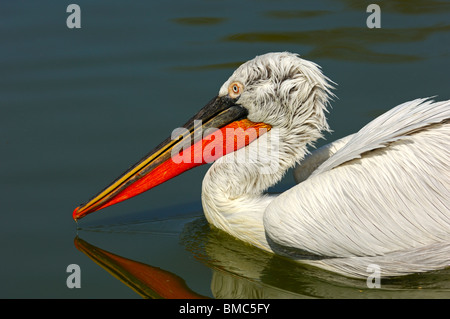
point(393, 125)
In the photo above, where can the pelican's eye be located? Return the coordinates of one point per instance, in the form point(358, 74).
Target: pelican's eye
point(235, 89)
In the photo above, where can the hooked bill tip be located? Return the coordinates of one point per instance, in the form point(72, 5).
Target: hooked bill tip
point(75, 214)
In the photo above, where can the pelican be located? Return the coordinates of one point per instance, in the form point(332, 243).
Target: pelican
point(377, 197)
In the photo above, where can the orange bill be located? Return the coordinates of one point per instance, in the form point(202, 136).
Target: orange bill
point(221, 127)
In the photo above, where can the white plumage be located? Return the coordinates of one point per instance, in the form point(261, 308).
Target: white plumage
point(380, 196)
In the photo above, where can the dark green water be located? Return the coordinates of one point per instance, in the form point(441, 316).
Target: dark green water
point(78, 106)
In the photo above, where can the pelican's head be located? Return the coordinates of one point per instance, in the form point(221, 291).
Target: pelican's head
point(275, 90)
point(280, 89)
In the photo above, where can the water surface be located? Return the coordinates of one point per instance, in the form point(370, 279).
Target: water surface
point(78, 106)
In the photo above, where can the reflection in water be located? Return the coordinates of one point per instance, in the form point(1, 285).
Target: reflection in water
point(199, 21)
point(346, 43)
point(343, 43)
point(147, 281)
point(294, 14)
point(243, 271)
point(217, 66)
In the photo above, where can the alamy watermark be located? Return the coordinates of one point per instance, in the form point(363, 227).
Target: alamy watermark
point(74, 279)
point(374, 279)
point(73, 21)
point(374, 19)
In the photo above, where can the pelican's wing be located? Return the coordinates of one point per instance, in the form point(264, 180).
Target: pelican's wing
point(386, 191)
point(393, 125)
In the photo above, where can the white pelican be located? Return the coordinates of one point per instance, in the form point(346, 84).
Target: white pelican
point(380, 196)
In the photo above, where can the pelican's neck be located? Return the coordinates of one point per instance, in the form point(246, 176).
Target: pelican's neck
point(233, 188)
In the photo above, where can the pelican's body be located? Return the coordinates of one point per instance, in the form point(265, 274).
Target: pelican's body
point(380, 196)
point(369, 198)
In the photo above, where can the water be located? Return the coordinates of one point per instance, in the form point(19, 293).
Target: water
point(78, 106)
